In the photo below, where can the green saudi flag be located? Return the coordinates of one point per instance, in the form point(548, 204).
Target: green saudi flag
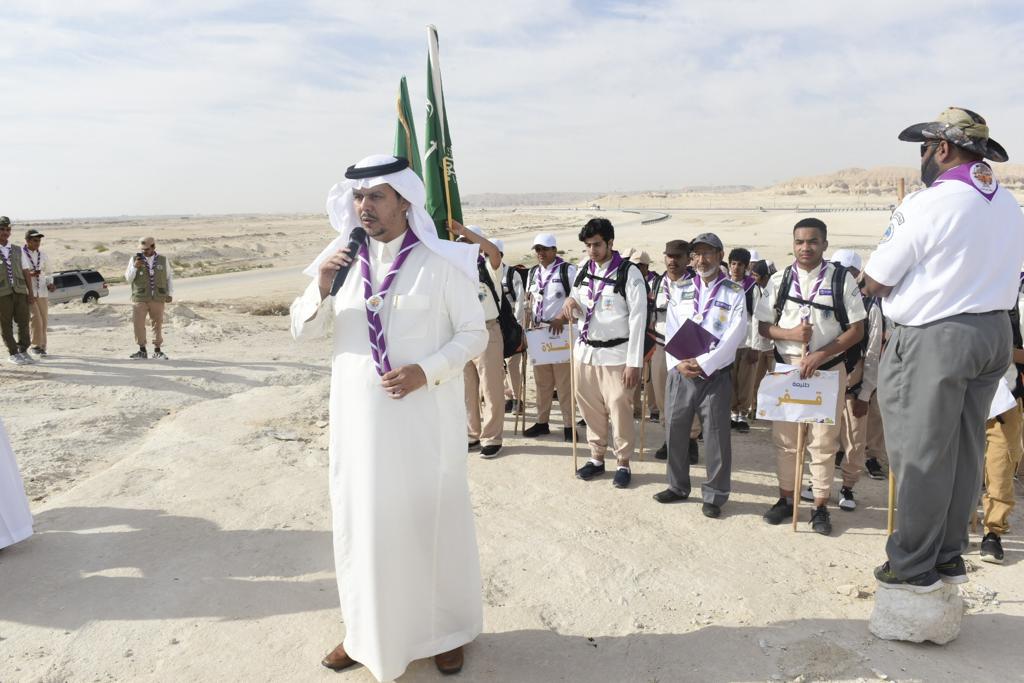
point(438, 168)
point(405, 132)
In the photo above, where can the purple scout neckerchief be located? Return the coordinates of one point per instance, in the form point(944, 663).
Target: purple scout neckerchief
point(748, 282)
point(152, 272)
point(698, 285)
point(33, 262)
point(595, 295)
point(976, 174)
point(542, 286)
point(805, 309)
point(7, 262)
point(375, 302)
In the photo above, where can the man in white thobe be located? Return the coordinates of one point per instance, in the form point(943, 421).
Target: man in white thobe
point(405, 546)
point(15, 518)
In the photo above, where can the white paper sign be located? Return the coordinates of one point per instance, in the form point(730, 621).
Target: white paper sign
point(1003, 400)
point(785, 397)
point(547, 348)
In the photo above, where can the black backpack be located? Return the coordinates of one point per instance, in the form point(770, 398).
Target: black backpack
point(619, 287)
point(838, 308)
point(512, 336)
point(517, 270)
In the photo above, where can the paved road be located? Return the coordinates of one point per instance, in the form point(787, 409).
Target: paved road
point(283, 282)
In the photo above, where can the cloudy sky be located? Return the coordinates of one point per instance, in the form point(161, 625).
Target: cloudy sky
point(115, 107)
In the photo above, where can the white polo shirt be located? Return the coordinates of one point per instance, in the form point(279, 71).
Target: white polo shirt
point(955, 247)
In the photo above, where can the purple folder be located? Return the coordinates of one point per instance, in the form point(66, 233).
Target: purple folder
point(690, 341)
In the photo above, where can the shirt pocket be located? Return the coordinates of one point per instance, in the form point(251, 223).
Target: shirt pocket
point(410, 316)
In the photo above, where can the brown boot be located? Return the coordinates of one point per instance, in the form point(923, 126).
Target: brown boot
point(338, 659)
point(449, 662)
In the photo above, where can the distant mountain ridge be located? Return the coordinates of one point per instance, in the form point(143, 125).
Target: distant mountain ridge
point(880, 181)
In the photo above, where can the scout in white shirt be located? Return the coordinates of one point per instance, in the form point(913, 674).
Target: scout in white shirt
point(951, 343)
point(513, 284)
point(703, 383)
point(37, 274)
point(746, 359)
point(808, 316)
point(609, 296)
point(548, 285)
point(485, 374)
point(677, 270)
point(762, 348)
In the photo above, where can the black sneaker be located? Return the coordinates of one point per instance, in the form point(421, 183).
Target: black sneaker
point(139, 355)
point(693, 454)
point(925, 582)
point(589, 471)
point(474, 444)
point(662, 453)
point(160, 355)
point(655, 416)
point(622, 477)
point(874, 469)
point(954, 571)
point(567, 432)
point(581, 423)
point(992, 548)
point(491, 451)
point(537, 430)
point(700, 436)
point(821, 521)
point(508, 405)
point(779, 513)
point(711, 510)
point(839, 457)
point(741, 425)
point(846, 501)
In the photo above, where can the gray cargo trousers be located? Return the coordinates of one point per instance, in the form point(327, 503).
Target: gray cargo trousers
point(936, 384)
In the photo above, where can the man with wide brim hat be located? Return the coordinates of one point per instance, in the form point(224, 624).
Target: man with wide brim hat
point(952, 341)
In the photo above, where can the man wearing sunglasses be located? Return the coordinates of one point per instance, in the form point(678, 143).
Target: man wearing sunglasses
point(951, 344)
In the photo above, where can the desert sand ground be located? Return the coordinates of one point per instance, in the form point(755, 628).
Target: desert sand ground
point(182, 527)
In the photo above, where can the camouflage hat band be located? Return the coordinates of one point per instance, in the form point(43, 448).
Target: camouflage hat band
point(961, 127)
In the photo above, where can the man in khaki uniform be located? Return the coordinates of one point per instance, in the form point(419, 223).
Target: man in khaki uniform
point(546, 292)
point(152, 282)
point(611, 297)
point(808, 318)
point(14, 297)
point(37, 275)
point(485, 374)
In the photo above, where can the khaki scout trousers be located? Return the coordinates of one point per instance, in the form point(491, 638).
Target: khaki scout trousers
point(853, 437)
point(1003, 451)
point(551, 377)
point(515, 375)
point(743, 380)
point(155, 310)
point(39, 310)
point(821, 441)
point(602, 396)
point(765, 364)
point(486, 374)
point(875, 441)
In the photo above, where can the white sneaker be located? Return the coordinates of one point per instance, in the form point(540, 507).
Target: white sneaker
point(17, 359)
point(846, 501)
point(807, 494)
point(27, 358)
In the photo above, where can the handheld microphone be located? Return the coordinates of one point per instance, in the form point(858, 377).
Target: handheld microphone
point(356, 240)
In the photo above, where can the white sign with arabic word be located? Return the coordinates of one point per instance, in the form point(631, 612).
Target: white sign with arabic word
point(547, 348)
point(785, 397)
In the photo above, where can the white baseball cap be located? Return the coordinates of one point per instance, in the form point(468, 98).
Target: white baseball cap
point(848, 258)
point(500, 244)
point(754, 256)
point(545, 239)
point(475, 229)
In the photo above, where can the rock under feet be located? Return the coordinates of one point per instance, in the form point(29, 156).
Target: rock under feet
point(917, 617)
